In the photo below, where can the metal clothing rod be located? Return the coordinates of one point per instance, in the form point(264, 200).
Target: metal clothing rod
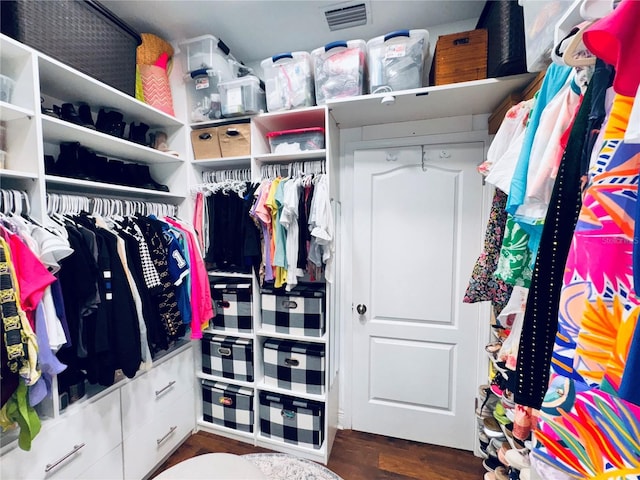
point(106, 207)
point(309, 167)
point(216, 176)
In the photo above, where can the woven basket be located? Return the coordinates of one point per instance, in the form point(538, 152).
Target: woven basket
point(152, 47)
point(82, 34)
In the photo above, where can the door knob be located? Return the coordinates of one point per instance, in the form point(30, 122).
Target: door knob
point(361, 309)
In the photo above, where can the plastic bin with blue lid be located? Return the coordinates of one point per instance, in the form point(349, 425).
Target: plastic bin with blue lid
point(339, 69)
point(204, 97)
point(207, 52)
point(242, 96)
point(397, 61)
point(288, 79)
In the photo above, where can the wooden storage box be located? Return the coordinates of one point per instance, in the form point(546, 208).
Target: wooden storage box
point(460, 57)
point(235, 139)
point(205, 143)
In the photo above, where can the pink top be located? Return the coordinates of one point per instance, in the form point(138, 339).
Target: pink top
point(616, 40)
point(202, 307)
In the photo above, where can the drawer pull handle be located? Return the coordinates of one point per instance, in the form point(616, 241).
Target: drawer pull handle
point(288, 413)
point(289, 304)
point(51, 466)
point(224, 351)
point(166, 435)
point(292, 362)
point(165, 388)
point(224, 304)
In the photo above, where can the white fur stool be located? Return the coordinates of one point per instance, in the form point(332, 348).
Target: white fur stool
point(213, 466)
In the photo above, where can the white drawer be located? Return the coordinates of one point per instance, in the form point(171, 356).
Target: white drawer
point(150, 444)
point(68, 446)
point(146, 395)
point(109, 467)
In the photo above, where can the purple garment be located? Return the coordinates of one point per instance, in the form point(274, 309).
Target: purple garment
point(56, 293)
point(48, 362)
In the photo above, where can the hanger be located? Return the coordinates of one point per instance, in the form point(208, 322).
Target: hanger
point(575, 53)
point(596, 9)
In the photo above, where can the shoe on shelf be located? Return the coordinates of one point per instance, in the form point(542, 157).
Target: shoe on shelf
point(69, 114)
point(525, 474)
point(490, 464)
point(143, 178)
point(501, 473)
point(518, 459)
point(507, 430)
point(111, 122)
point(492, 428)
point(487, 400)
point(138, 133)
point(50, 165)
point(160, 142)
point(67, 164)
point(84, 112)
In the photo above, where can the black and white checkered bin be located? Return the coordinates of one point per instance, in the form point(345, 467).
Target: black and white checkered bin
point(292, 420)
point(228, 405)
point(296, 366)
point(228, 357)
point(298, 312)
point(233, 306)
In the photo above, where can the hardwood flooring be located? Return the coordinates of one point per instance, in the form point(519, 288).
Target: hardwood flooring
point(359, 456)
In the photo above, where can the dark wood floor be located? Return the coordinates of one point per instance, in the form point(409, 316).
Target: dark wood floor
point(359, 456)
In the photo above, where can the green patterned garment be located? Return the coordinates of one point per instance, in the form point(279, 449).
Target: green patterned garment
point(514, 264)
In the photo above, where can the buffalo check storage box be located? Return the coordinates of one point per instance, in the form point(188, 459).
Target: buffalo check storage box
point(228, 405)
point(296, 366)
point(228, 357)
point(292, 420)
point(298, 312)
point(233, 307)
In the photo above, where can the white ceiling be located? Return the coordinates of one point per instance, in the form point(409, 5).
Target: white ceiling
point(257, 29)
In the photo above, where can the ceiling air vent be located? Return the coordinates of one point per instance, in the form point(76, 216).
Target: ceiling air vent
point(346, 17)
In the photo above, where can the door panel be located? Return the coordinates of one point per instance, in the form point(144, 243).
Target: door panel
point(417, 230)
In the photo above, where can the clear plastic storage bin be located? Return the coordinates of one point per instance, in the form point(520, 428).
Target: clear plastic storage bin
point(242, 96)
point(297, 140)
point(288, 79)
point(204, 97)
point(397, 61)
point(339, 69)
point(207, 52)
point(540, 18)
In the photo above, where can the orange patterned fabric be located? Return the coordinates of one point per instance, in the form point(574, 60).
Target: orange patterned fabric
point(156, 88)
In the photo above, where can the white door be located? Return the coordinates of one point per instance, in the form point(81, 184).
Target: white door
point(417, 233)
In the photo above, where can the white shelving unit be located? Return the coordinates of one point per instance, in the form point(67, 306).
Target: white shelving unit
point(261, 155)
point(97, 420)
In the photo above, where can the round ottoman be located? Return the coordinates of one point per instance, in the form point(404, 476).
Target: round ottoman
point(213, 466)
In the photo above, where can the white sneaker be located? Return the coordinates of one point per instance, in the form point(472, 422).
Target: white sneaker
point(518, 459)
point(525, 474)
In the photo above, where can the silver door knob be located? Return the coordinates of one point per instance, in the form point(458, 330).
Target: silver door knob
point(361, 309)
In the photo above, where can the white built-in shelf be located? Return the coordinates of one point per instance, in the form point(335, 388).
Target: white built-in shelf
point(213, 163)
point(291, 157)
point(74, 185)
point(226, 333)
point(226, 431)
point(296, 118)
point(453, 100)
point(307, 452)
point(218, 273)
point(56, 131)
point(293, 338)
point(66, 84)
point(220, 121)
point(216, 378)
point(10, 48)
point(17, 174)
point(9, 112)
point(290, 393)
